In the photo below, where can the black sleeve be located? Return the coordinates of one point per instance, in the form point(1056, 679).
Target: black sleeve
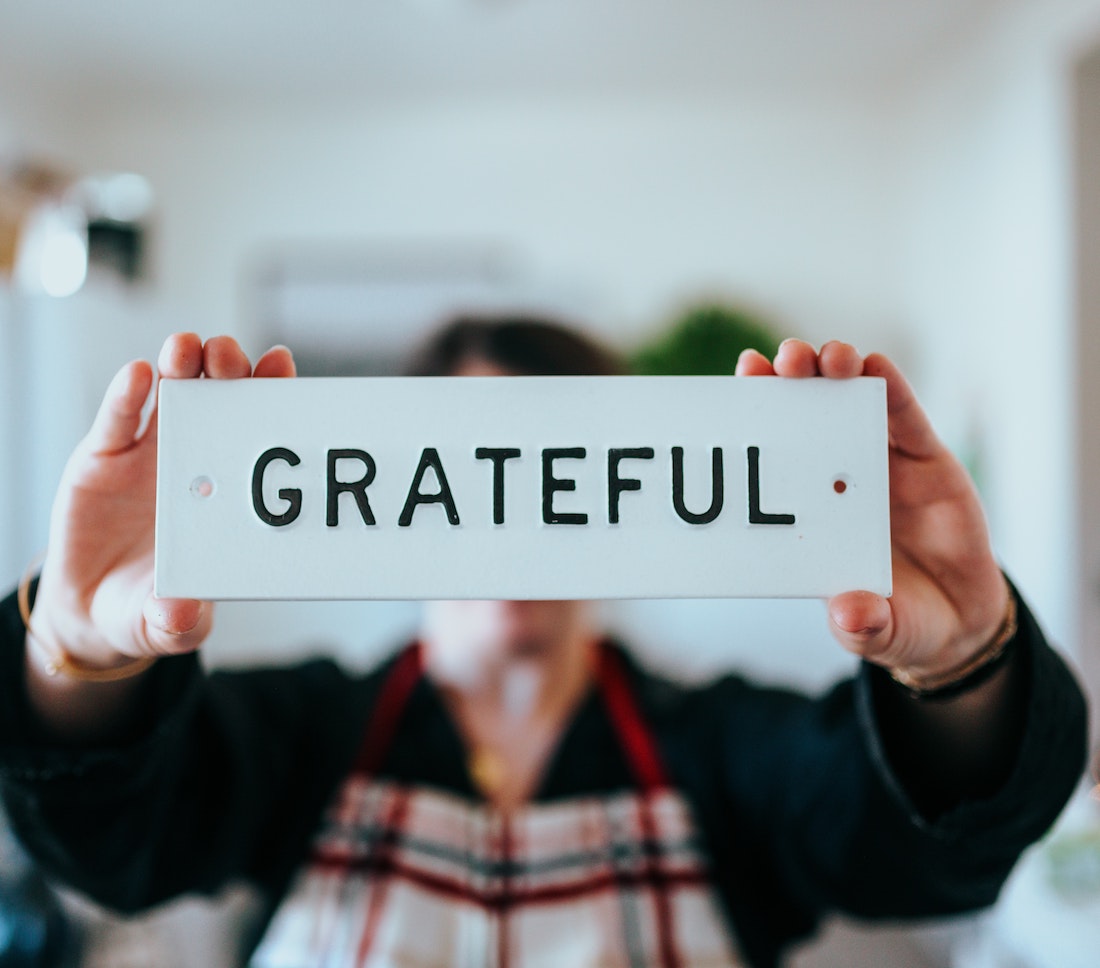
point(224, 777)
point(804, 814)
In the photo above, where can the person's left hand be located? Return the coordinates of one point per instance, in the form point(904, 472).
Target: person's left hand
point(950, 597)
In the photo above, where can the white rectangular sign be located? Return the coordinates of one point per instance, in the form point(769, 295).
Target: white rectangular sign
point(522, 487)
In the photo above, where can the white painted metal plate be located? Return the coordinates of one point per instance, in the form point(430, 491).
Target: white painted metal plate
point(399, 488)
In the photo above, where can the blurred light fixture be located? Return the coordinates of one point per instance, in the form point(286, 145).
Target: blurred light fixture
point(52, 257)
point(55, 226)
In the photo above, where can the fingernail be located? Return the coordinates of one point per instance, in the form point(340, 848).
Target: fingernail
point(194, 624)
point(160, 617)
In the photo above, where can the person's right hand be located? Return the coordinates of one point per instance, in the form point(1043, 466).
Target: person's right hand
point(95, 599)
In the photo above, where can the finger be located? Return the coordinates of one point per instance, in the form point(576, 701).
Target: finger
point(276, 362)
point(119, 417)
point(173, 626)
point(753, 363)
point(839, 361)
point(180, 357)
point(910, 429)
point(796, 358)
point(863, 623)
point(223, 359)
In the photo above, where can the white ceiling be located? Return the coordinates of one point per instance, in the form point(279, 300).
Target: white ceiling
point(159, 53)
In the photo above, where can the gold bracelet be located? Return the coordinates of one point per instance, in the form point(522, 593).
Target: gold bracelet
point(61, 663)
point(972, 672)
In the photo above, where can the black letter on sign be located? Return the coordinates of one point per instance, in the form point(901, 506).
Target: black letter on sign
point(615, 484)
point(291, 494)
point(717, 487)
point(550, 484)
point(357, 488)
point(756, 516)
point(498, 455)
point(429, 458)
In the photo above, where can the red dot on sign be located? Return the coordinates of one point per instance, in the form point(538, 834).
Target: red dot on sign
point(839, 486)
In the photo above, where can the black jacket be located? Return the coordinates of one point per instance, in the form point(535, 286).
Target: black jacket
point(227, 776)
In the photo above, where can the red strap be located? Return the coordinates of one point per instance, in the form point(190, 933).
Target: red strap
point(392, 698)
point(626, 718)
point(632, 729)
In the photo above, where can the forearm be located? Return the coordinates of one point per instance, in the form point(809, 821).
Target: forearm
point(960, 747)
point(965, 745)
point(211, 777)
point(77, 711)
point(926, 807)
point(75, 704)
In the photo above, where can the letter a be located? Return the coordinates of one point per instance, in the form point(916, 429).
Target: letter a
point(429, 458)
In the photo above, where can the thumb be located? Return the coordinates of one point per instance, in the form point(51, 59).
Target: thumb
point(174, 626)
point(863, 623)
point(119, 417)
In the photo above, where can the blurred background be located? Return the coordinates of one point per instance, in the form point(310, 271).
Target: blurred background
point(915, 177)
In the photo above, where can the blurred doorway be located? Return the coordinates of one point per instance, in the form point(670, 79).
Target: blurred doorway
point(1086, 209)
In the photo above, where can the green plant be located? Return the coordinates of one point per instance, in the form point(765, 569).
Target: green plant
point(705, 340)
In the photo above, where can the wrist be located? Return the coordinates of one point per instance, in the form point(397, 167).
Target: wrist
point(970, 672)
point(54, 659)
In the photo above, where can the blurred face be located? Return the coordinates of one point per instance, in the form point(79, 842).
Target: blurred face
point(473, 634)
point(478, 366)
point(493, 632)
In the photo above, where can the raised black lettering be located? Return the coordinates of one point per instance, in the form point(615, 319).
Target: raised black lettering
point(552, 484)
point(756, 516)
point(717, 487)
point(358, 489)
point(498, 455)
point(615, 484)
point(292, 495)
point(428, 458)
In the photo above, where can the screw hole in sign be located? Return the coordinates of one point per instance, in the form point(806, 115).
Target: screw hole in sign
point(202, 487)
point(840, 485)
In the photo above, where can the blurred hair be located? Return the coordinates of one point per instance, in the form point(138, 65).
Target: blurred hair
point(526, 346)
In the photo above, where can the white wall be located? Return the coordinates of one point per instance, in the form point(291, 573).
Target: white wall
point(11, 547)
point(787, 204)
point(58, 356)
point(55, 355)
point(989, 281)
